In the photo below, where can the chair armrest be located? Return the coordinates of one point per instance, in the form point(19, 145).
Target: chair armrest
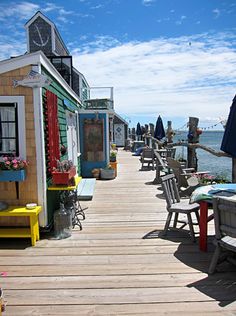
point(188, 170)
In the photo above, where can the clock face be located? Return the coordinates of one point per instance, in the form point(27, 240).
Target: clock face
point(40, 36)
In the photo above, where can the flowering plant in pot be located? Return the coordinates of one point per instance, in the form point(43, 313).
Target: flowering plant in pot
point(12, 168)
point(113, 155)
point(64, 172)
point(13, 163)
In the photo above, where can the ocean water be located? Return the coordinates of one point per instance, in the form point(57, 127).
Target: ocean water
point(221, 166)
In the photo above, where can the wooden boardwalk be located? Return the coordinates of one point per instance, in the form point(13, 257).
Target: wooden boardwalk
point(118, 264)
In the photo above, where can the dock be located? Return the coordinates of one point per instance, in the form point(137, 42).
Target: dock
point(119, 264)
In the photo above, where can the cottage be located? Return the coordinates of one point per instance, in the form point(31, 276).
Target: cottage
point(46, 115)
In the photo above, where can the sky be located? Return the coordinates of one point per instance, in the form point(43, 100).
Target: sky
point(173, 58)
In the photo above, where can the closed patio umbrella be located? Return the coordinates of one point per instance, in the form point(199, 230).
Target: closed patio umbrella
point(138, 131)
point(228, 144)
point(159, 132)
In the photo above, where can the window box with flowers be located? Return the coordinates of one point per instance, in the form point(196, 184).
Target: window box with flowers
point(13, 169)
point(64, 173)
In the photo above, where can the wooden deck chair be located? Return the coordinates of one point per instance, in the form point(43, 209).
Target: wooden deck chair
point(175, 205)
point(225, 231)
point(186, 180)
point(147, 157)
point(161, 166)
point(170, 152)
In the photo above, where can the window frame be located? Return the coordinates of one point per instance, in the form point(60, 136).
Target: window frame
point(19, 102)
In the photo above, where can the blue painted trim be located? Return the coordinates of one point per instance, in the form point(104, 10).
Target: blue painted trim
point(88, 166)
point(68, 105)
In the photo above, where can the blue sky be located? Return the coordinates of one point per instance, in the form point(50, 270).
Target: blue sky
point(174, 58)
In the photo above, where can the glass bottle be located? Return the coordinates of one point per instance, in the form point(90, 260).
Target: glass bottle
point(62, 223)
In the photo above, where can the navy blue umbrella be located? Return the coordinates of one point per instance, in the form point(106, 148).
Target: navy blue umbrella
point(228, 144)
point(138, 130)
point(159, 132)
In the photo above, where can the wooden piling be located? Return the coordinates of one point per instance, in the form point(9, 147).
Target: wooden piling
point(193, 137)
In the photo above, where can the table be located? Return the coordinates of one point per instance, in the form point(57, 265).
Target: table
point(22, 232)
point(204, 195)
point(69, 193)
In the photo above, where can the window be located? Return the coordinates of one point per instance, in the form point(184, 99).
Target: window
point(12, 126)
point(8, 129)
point(64, 66)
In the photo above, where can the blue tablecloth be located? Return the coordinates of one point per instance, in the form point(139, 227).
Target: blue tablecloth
point(207, 192)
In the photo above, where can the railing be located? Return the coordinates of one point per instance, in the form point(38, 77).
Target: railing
point(99, 104)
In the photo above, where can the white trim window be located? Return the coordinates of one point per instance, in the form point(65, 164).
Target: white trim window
point(12, 126)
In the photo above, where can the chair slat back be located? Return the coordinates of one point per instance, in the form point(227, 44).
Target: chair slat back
point(148, 153)
point(177, 171)
point(224, 217)
point(170, 189)
point(170, 152)
point(159, 159)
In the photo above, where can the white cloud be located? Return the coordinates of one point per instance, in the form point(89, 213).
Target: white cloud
point(148, 2)
point(166, 76)
point(216, 12)
point(182, 18)
point(99, 6)
point(22, 10)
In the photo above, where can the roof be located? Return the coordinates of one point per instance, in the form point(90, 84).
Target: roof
point(36, 58)
point(121, 119)
point(40, 14)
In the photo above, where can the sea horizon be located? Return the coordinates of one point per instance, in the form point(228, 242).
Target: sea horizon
point(217, 166)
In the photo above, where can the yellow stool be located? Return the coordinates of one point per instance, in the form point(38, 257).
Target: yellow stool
point(22, 232)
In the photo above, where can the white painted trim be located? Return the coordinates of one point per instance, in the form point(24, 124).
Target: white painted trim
point(53, 27)
point(34, 59)
point(53, 36)
point(78, 134)
point(108, 136)
point(121, 118)
point(84, 111)
point(40, 155)
point(20, 100)
point(27, 39)
point(37, 14)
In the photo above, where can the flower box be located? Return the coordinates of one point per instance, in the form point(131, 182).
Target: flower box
point(63, 177)
point(12, 175)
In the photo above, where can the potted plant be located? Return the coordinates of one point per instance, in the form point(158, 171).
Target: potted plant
point(113, 155)
point(13, 169)
point(96, 173)
point(64, 173)
point(107, 173)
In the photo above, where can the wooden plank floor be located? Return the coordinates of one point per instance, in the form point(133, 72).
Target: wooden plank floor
point(118, 264)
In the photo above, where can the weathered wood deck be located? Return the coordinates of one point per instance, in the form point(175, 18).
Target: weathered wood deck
point(117, 265)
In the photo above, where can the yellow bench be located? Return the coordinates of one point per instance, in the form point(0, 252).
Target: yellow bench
point(22, 232)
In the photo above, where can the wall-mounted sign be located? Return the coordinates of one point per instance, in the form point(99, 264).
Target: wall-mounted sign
point(33, 80)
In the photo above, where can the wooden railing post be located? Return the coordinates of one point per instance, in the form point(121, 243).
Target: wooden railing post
point(192, 138)
point(169, 132)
